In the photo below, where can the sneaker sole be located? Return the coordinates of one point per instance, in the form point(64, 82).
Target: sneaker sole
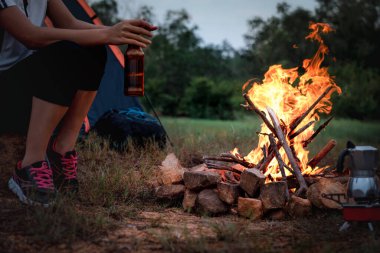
point(16, 189)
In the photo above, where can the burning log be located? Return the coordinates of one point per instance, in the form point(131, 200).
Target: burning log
point(320, 128)
point(260, 113)
point(281, 163)
point(301, 130)
point(298, 120)
point(325, 150)
point(236, 159)
point(288, 151)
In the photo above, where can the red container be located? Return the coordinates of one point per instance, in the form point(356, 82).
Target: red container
point(361, 212)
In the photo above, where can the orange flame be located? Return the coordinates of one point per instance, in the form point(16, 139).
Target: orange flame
point(290, 95)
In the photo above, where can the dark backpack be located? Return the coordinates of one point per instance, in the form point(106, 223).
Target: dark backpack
point(133, 124)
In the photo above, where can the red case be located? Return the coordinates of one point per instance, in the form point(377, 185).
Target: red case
point(361, 213)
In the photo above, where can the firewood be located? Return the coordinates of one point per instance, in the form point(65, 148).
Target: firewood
point(170, 171)
point(236, 159)
point(250, 208)
point(189, 199)
point(198, 180)
point(260, 113)
point(325, 186)
point(281, 163)
point(320, 128)
point(273, 195)
point(217, 158)
point(266, 161)
point(228, 193)
point(298, 120)
point(299, 207)
point(217, 166)
point(208, 202)
point(301, 130)
point(174, 191)
point(325, 150)
point(285, 145)
point(251, 180)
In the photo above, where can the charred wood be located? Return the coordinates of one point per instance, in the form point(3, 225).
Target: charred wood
point(281, 163)
point(288, 151)
point(301, 130)
point(260, 113)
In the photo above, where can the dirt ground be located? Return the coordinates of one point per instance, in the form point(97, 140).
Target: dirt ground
point(160, 227)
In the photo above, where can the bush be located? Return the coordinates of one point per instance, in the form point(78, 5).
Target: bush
point(205, 98)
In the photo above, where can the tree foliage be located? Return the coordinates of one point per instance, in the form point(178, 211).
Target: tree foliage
point(186, 77)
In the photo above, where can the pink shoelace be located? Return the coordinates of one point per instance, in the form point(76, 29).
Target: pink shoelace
point(69, 165)
point(43, 176)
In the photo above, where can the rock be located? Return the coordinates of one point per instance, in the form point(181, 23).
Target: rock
point(277, 214)
point(209, 202)
point(227, 192)
point(170, 191)
point(198, 180)
point(189, 199)
point(170, 171)
point(250, 208)
point(251, 180)
point(200, 167)
point(273, 195)
point(325, 186)
point(298, 207)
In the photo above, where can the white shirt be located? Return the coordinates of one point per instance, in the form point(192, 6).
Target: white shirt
point(11, 50)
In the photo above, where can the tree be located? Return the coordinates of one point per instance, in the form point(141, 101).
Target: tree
point(107, 11)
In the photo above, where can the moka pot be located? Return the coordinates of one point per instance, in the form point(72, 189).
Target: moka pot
point(363, 185)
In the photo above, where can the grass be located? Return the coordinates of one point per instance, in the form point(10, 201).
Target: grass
point(117, 186)
point(195, 137)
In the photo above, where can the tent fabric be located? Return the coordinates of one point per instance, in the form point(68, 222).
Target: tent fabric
point(111, 90)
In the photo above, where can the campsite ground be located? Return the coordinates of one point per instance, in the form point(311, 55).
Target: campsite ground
point(116, 211)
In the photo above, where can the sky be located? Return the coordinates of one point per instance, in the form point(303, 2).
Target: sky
point(217, 20)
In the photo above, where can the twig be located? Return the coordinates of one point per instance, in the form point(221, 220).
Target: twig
point(320, 128)
point(324, 151)
point(288, 151)
point(297, 121)
point(281, 163)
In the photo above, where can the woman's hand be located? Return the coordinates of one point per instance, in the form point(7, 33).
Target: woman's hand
point(136, 32)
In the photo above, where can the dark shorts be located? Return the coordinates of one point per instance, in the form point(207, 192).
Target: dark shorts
point(54, 74)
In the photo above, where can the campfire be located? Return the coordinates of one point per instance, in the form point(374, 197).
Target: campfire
point(274, 178)
point(289, 105)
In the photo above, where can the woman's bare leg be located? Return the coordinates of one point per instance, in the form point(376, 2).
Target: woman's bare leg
point(73, 121)
point(43, 119)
